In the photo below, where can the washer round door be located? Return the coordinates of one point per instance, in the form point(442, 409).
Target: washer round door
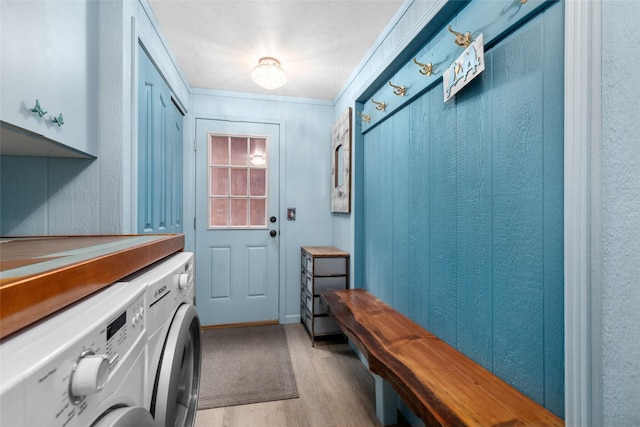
point(175, 393)
point(125, 417)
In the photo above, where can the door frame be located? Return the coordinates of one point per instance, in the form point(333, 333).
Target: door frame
point(189, 180)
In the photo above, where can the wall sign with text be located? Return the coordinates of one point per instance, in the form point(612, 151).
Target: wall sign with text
point(464, 69)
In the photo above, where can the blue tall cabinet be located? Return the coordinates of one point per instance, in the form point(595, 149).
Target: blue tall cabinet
point(160, 131)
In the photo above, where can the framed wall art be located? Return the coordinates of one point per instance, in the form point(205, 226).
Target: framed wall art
point(341, 164)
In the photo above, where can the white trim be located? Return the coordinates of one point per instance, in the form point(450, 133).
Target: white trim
point(583, 390)
point(259, 96)
point(132, 196)
point(290, 318)
point(282, 228)
point(164, 44)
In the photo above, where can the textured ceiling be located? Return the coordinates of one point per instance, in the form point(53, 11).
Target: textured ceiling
point(217, 43)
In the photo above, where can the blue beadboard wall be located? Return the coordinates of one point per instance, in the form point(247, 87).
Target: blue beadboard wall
point(54, 196)
point(463, 211)
point(414, 23)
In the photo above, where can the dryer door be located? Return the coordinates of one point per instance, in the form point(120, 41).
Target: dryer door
point(175, 393)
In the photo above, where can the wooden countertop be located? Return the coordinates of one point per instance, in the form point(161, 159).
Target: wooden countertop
point(41, 275)
point(324, 251)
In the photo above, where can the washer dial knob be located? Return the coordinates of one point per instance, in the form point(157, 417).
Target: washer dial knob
point(89, 376)
point(183, 281)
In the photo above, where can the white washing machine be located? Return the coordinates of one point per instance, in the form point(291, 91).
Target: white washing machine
point(174, 351)
point(82, 367)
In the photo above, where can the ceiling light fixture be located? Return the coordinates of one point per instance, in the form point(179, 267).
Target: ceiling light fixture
point(268, 73)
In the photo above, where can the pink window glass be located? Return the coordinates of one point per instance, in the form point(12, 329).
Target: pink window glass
point(219, 150)
point(219, 182)
point(239, 182)
point(258, 213)
point(258, 183)
point(239, 152)
point(258, 152)
point(238, 212)
point(218, 213)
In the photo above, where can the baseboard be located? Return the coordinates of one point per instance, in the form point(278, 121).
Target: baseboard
point(240, 325)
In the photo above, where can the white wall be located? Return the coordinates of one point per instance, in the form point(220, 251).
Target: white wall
point(620, 267)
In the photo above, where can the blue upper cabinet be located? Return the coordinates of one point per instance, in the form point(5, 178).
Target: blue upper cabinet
point(48, 68)
point(432, 61)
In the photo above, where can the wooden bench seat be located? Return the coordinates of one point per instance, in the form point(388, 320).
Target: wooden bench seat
point(438, 383)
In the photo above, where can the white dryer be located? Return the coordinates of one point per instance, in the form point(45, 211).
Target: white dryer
point(82, 367)
point(174, 351)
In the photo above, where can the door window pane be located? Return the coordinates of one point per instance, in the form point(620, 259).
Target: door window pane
point(219, 150)
point(239, 182)
point(218, 213)
point(258, 213)
point(239, 152)
point(238, 212)
point(238, 170)
point(219, 184)
point(258, 182)
point(258, 152)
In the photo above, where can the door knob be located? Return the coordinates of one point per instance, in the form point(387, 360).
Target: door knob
point(273, 233)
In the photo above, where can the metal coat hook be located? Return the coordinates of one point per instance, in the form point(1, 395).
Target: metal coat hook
point(380, 106)
point(426, 69)
point(398, 90)
point(365, 117)
point(58, 120)
point(38, 109)
point(463, 40)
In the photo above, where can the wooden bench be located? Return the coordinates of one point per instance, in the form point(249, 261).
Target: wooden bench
point(438, 383)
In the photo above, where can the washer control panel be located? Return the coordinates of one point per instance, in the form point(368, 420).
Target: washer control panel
point(77, 359)
point(170, 286)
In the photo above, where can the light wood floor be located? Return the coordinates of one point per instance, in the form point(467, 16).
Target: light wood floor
point(335, 388)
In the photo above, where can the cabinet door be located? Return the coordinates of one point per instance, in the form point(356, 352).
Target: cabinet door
point(174, 187)
point(49, 53)
point(159, 153)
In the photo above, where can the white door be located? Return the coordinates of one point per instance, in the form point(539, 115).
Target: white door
point(237, 228)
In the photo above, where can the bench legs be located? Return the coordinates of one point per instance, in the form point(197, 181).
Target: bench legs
point(386, 402)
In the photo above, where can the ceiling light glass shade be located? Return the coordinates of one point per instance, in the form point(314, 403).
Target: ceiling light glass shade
point(269, 74)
